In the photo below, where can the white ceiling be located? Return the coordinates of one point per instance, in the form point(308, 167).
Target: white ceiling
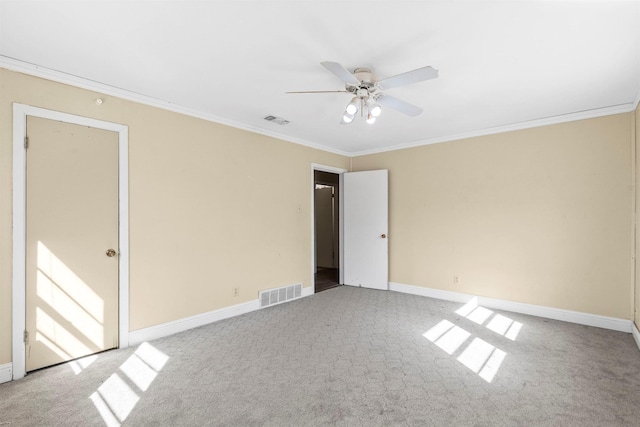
point(502, 64)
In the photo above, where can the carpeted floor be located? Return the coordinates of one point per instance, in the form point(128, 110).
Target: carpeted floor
point(348, 357)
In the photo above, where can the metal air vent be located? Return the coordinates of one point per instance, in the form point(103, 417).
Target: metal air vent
point(278, 120)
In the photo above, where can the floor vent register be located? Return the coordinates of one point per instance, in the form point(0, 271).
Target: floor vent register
point(280, 295)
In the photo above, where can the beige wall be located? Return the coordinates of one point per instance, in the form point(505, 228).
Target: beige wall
point(211, 207)
point(637, 242)
point(540, 216)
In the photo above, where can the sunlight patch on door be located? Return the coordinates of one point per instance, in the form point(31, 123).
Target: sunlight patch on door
point(65, 306)
point(52, 346)
point(69, 315)
point(60, 274)
point(118, 395)
point(57, 338)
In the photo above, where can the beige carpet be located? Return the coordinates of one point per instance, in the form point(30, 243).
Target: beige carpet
point(348, 357)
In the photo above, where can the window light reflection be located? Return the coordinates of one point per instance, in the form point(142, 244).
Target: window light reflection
point(480, 356)
point(80, 365)
point(116, 397)
point(447, 336)
point(58, 272)
point(479, 315)
point(58, 338)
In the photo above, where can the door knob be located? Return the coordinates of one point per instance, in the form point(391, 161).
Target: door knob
point(111, 253)
point(383, 236)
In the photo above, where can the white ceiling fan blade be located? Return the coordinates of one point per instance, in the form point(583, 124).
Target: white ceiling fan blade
point(341, 72)
point(399, 105)
point(415, 76)
point(319, 91)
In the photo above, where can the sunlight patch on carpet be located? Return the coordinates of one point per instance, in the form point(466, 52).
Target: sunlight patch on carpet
point(480, 356)
point(117, 396)
point(447, 336)
point(80, 365)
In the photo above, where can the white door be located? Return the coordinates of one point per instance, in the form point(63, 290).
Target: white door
point(366, 253)
point(71, 242)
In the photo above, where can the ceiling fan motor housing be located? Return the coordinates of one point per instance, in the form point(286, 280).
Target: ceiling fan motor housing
point(365, 76)
point(367, 87)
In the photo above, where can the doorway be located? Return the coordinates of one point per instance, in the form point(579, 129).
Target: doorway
point(360, 222)
point(327, 230)
point(93, 329)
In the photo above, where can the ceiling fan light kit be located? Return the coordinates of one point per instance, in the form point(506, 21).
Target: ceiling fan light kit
point(347, 118)
point(374, 108)
point(352, 108)
point(365, 103)
point(369, 91)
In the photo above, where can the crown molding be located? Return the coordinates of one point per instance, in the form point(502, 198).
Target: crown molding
point(82, 83)
point(547, 121)
point(76, 81)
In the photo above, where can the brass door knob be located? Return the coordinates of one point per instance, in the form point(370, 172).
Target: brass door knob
point(111, 253)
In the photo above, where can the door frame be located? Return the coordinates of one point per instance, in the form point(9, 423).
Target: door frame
point(339, 172)
point(18, 316)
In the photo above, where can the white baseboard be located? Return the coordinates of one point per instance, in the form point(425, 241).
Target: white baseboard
point(6, 372)
point(588, 319)
point(636, 334)
point(165, 329)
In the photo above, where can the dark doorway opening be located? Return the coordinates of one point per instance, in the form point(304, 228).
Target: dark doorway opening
point(327, 235)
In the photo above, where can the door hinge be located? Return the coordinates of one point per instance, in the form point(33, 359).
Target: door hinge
point(26, 336)
point(26, 142)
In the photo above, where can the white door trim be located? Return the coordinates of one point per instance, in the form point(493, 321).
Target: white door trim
point(339, 171)
point(20, 113)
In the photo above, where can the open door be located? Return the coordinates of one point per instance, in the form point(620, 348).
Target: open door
point(366, 251)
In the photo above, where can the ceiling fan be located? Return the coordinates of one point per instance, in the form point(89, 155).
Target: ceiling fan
point(368, 91)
